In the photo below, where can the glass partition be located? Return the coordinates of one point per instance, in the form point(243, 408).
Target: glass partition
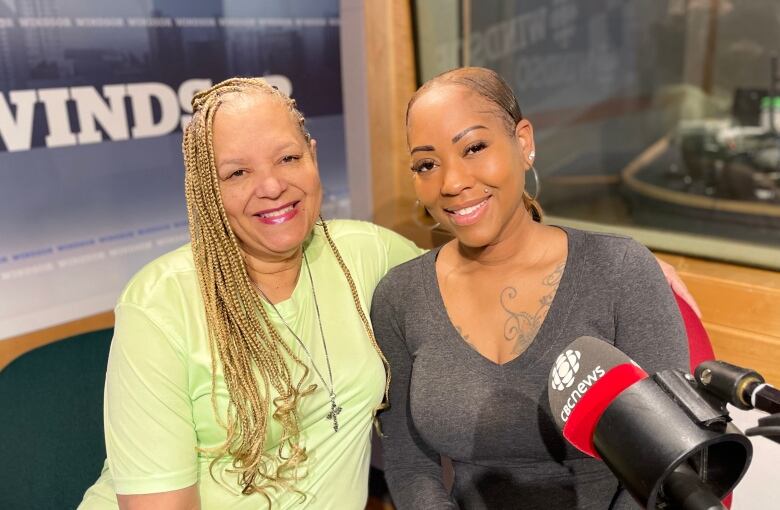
point(651, 117)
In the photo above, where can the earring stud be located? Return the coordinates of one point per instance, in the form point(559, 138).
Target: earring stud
point(486, 190)
point(532, 155)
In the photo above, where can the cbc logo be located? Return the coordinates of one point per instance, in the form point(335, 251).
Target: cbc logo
point(565, 368)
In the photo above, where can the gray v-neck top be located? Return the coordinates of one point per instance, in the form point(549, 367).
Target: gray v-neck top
point(493, 421)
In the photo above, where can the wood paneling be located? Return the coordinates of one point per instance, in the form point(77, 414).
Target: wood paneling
point(750, 350)
point(391, 82)
point(740, 310)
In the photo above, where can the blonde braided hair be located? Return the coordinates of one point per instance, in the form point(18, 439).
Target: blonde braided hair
point(252, 354)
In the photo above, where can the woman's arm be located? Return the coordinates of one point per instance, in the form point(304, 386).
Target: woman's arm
point(150, 434)
point(412, 468)
point(182, 499)
point(648, 324)
point(678, 286)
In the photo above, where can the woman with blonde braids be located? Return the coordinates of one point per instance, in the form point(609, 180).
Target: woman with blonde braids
point(243, 371)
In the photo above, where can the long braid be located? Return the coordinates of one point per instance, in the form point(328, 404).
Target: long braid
point(356, 298)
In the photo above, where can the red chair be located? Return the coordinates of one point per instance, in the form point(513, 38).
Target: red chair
point(698, 341)
point(699, 345)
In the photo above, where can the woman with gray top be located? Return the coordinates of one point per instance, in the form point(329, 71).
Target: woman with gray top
point(472, 329)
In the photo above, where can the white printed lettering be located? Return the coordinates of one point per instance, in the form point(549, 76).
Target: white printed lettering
point(56, 108)
point(17, 132)
point(91, 110)
point(580, 389)
point(141, 95)
point(102, 114)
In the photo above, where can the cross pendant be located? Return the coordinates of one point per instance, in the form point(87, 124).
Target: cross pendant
point(334, 412)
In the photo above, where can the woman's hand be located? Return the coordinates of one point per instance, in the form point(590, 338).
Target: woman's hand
point(678, 286)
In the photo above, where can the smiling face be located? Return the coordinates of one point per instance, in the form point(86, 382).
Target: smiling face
point(469, 170)
point(268, 177)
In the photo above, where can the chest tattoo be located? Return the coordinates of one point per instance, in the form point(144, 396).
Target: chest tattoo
point(521, 326)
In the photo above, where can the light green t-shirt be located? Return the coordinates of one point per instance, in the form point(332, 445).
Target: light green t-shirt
point(158, 406)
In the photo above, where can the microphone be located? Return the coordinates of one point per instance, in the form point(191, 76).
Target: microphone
point(574, 376)
point(669, 445)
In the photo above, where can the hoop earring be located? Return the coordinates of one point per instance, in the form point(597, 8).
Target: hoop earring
point(417, 216)
point(537, 185)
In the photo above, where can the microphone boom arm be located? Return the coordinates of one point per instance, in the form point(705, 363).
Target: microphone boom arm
point(745, 389)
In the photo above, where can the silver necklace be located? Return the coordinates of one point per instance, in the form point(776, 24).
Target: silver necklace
point(335, 409)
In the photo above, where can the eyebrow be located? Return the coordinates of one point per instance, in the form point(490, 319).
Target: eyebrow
point(423, 148)
point(234, 161)
point(285, 145)
point(454, 138)
point(465, 131)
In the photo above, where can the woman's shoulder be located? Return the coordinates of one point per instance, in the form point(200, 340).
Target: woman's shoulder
point(354, 235)
point(372, 245)
point(164, 277)
point(605, 249)
point(400, 291)
point(411, 269)
point(346, 228)
point(359, 232)
point(610, 261)
point(405, 277)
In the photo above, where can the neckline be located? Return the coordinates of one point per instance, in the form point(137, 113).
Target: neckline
point(551, 326)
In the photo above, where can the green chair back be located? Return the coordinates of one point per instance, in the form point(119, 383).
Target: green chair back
point(51, 423)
